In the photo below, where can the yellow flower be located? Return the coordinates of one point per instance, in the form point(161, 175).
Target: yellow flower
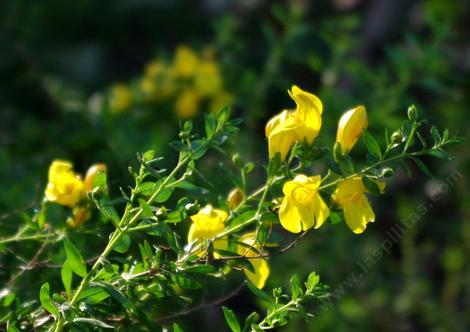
point(154, 68)
point(307, 114)
point(120, 99)
point(350, 127)
point(187, 104)
point(64, 187)
point(281, 132)
point(235, 198)
point(260, 265)
point(79, 216)
point(302, 206)
point(207, 223)
point(185, 62)
point(148, 87)
point(208, 80)
point(288, 127)
point(350, 196)
point(220, 100)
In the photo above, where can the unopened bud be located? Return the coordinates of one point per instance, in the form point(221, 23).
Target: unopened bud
point(237, 160)
point(397, 136)
point(234, 198)
point(412, 113)
point(387, 171)
point(91, 174)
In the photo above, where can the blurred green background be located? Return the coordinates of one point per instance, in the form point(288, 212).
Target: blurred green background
point(72, 86)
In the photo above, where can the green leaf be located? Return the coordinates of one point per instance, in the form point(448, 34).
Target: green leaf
point(147, 211)
point(295, 287)
point(210, 125)
point(312, 280)
point(115, 293)
point(66, 276)
point(123, 244)
point(251, 319)
point(77, 264)
point(198, 148)
point(422, 167)
point(371, 144)
point(435, 135)
point(177, 328)
point(46, 301)
point(371, 185)
point(92, 321)
point(148, 155)
point(199, 269)
point(8, 300)
point(231, 319)
point(256, 328)
point(93, 295)
point(441, 154)
point(258, 292)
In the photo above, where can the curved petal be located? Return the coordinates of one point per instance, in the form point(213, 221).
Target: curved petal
point(357, 216)
point(350, 127)
point(289, 216)
point(321, 211)
point(259, 277)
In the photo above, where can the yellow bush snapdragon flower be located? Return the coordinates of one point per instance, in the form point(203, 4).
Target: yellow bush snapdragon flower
point(288, 127)
point(350, 196)
point(350, 127)
point(260, 265)
point(185, 62)
point(187, 104)
point(65, 187)
point(302, 207)
point(207, 223)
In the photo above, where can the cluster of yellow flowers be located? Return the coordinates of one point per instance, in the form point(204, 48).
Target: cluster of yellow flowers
point(65, 187)
point(189, 80)
point(302, 206)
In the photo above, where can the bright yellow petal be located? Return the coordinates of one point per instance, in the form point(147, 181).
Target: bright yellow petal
point(261, 274)
point(357, 216)
point(350, 127)
point(289, 216)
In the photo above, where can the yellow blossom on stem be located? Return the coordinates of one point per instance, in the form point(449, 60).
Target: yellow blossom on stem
point(260, 265)
point(185, 62)
point(64, 186)
point(281, 133)
point(91, 174)
point(207, 223)
point(350, 127)
point(187, 104)
point(121, 98)
point(288, 127)
point(350, 196)
point(307, 114)
point(302, 207)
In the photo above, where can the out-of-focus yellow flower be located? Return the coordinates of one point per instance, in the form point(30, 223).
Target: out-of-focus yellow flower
point(154, 68)
point(350, 196)
point(221, 100)
point(281, 132)
point(307, 114)
point(288, 127)
point(64, 187)
point(260, 265)
point(207, 223)
point(208, 81)
point(148, 87)
point(121, 98)
point(187, 104)
point(185, 62)
point(350, 127)
point(91, 174)
point(79, 216)
point(302, 206)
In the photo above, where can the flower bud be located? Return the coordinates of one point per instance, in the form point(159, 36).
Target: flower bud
point(387, 172)
point(412, 113)
point(237, 160)
point(91, 174)
point(397, 136)
point(234, 198)
point(350, 128)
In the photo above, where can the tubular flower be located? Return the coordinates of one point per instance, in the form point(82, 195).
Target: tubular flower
point(307, 114)
point(281, 132)
point(64, 187)
point(302, 206)
point(260, 265)
point(207, 223)
point(350, 127)
point(350, 196)
point(288, 127)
